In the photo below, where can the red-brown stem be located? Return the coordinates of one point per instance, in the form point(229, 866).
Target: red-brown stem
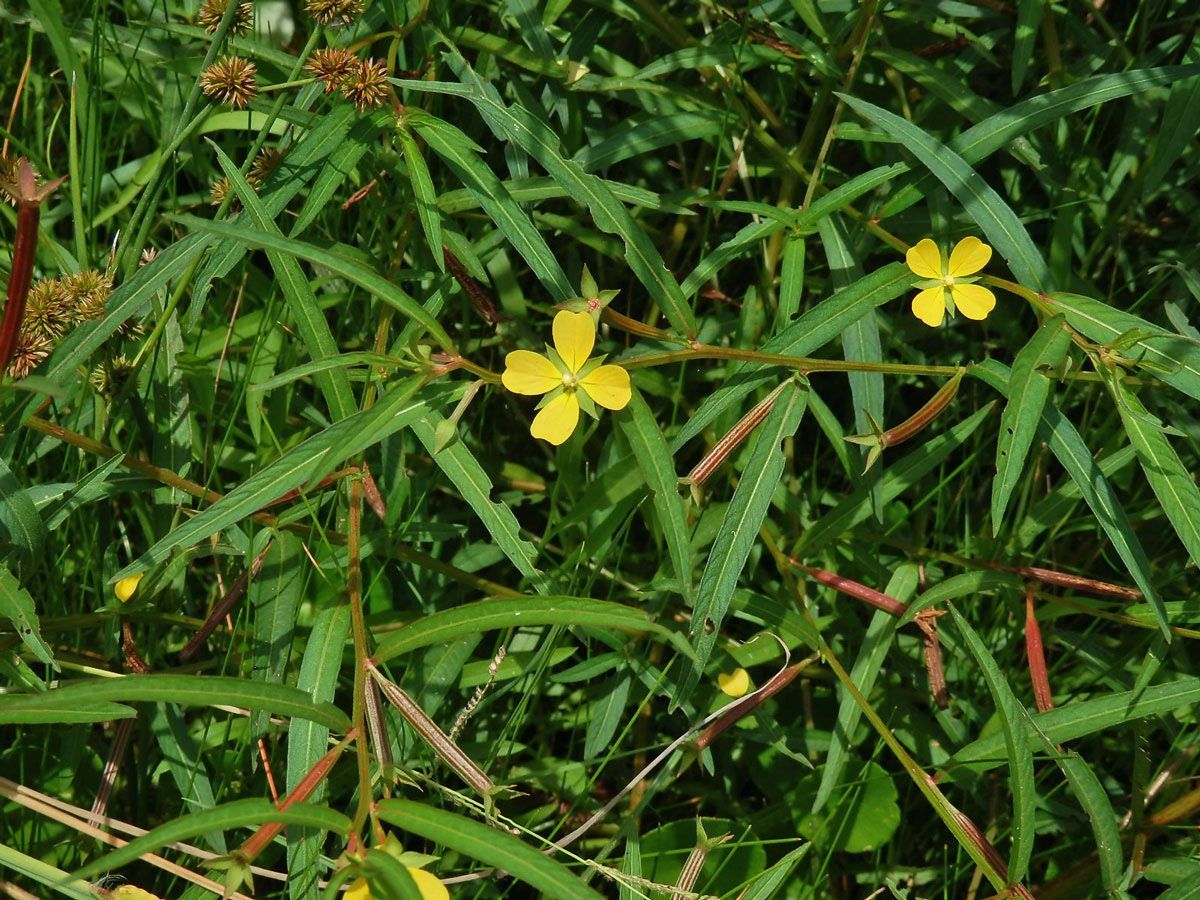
point(133, 659)
point(633, 326)
point(779, 681)
point(265, 834)
point(738, 433)
point(109, 777)
point(1085, 585)
point(223, 606)
point(308, 489)
point(915, 423)
point(481, 301)
point(854, 589)
point(20, 277)
point(1037, 656)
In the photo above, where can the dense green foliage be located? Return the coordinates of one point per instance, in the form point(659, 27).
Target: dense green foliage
point(260, 367)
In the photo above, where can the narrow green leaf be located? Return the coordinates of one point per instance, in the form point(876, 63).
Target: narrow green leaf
point(1173, 484)
point(302, 303)
point(654, 458)
point(235, 814)
point(16, 604)
point(1029, 19)
point(49, 876)
point(739, 530)
point(1020, 758)
point(187, 690)
point(487, 845)
point(655, 132)
point(509, 612)
point(1076, 720)
point(1028, 388)
point(426, 196)
point(1070, 450)
point(307, 462)
point(468, 476)
point(186, 764)
point(997, 220)
point(274, 596)
point(966, 584)
point(21, 525)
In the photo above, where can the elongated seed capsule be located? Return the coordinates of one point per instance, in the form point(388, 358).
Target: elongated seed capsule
point(1037, 657)
point(915, 423)
point(429, 731)
point(733, 438)
point(854, 589)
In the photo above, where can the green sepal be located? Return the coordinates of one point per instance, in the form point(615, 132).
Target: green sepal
point(586, 403)
point(546, 398)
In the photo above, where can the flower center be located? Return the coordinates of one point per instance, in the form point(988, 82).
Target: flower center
point(947, 280)
point(569, 381)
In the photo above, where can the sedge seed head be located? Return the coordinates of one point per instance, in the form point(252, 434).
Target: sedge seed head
point(331, 65)
point(334, 12)
point(212, 11)
point(232, 81)
point(28, 354)
point(47, 310)
point(366, 85)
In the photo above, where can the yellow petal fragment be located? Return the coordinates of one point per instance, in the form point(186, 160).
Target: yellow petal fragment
point(130, 892)
point(557, 419)
point(930, 306)
point(735, 684)
point(972, 300)
point(925, 259)
point(608, 386)
point(428, 885)
point(968, 257)
point(529, 373)
point(126, 586)
point(358, 890)
point(574, 337)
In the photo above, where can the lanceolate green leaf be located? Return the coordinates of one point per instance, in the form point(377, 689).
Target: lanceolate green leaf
point(426, 197)
point(739, 529)
point(1028, 388)
point(188, 690)
point(608, 214)
point(355, 272)
point(227, 816)
point(464, 470)
point(1172, 483)
point(997, 220)
point(658, 467)
point(1176, 360)
point(16, 605)
point(488, 845)
point(461, 154)
point(966, 584)
point(1020, 758)
point(511, 612)
point(1077, 719)
point(307, 462)
point(1070, 450)
point(310, 318)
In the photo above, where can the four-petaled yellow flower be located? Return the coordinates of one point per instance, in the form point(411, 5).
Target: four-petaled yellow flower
point(950, 285)
point(568, 378)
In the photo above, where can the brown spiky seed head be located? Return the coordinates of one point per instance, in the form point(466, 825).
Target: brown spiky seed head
point(331, 65)
point(28, 354)
point(86, 293)
point(212, 11)
point(264, 164)
point(219, 190)
point(148, 256)
point(367, 84)
point(334, 12)
point(231, 81)
point(47, 310)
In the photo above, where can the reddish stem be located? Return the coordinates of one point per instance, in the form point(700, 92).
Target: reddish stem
point(19, 279)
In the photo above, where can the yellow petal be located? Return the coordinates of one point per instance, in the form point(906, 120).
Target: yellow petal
point(358, 890)
point(428, 885)
point(557, 419)
point(930, 306)
point(574, 337)
point(126, 586)
point(735, 684)
point(529, 373)
point(130, 892)
point(608, 386)
point(972, 300)
point(968, 257)
point(925, 259)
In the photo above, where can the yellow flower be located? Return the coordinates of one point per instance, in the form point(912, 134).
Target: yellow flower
point(567, 376)
point(427, 883)
point(950, 285)
point(735, 684)
point(126, 586)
